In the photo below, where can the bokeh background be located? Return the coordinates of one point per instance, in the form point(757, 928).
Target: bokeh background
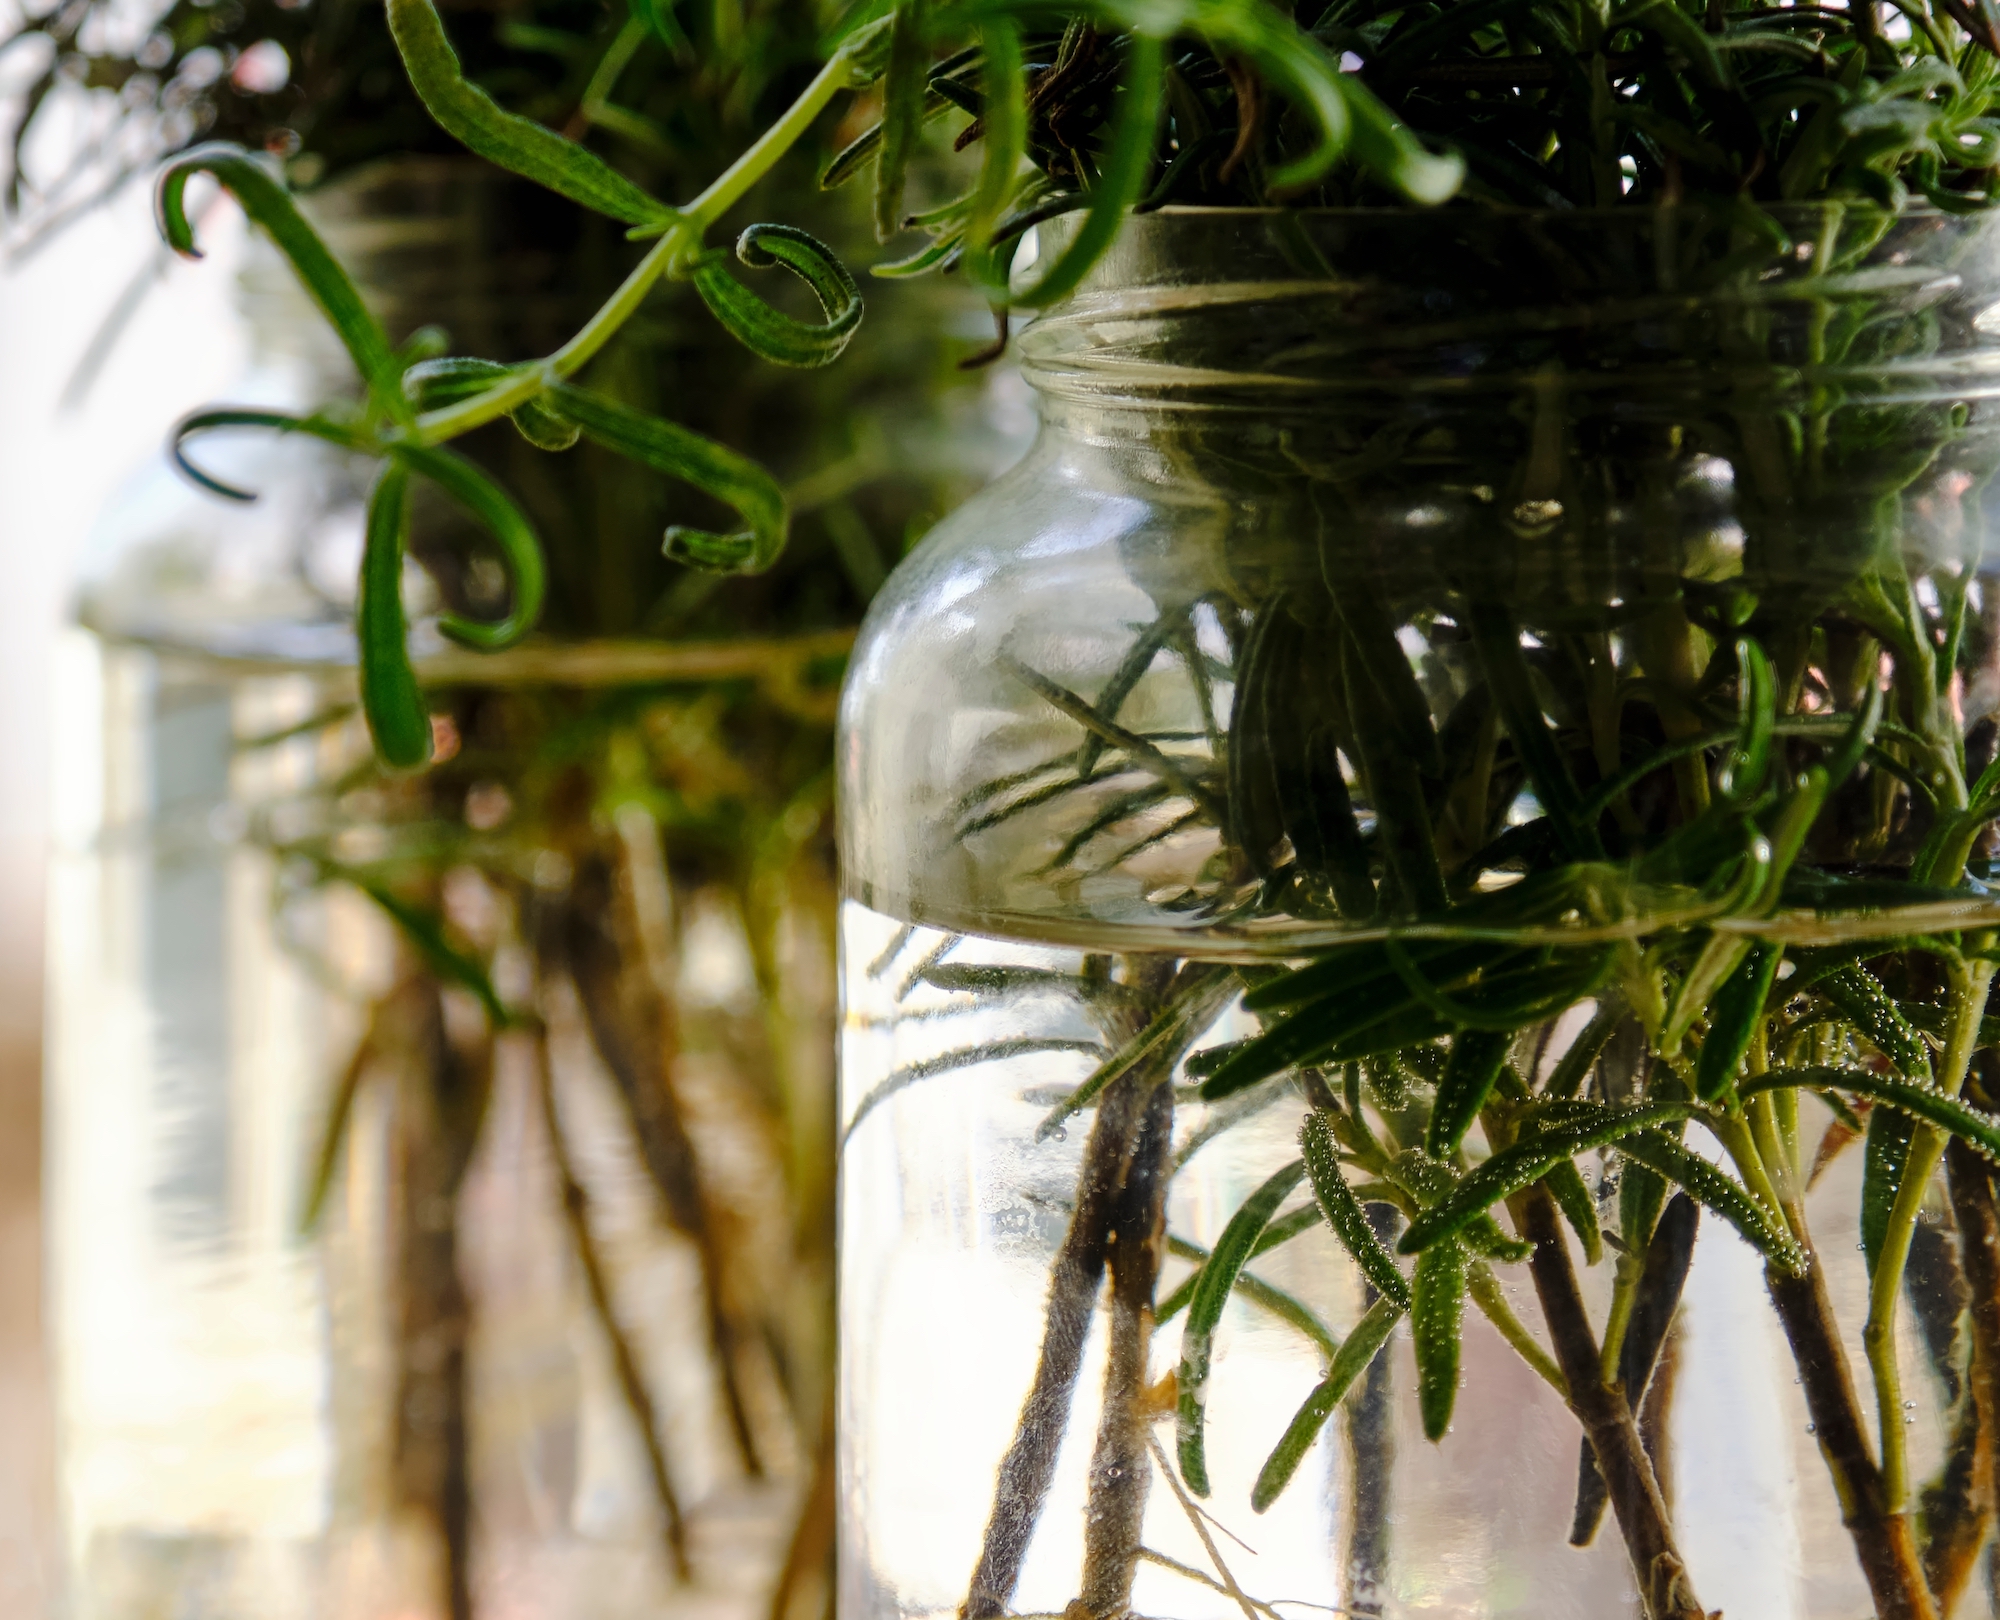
point(60, 459)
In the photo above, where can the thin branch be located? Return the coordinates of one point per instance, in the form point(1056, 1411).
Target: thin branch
point(631, 1381)
point(1198, 1520)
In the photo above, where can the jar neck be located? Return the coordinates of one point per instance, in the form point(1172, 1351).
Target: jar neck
point(1225, 322)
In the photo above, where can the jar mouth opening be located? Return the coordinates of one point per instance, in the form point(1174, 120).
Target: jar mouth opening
point(1472, 209)
point(1254, 308)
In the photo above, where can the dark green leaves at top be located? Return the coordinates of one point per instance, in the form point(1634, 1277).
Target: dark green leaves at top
point(681, 453)
point(1121, 177)
point(398, 721)
point(1474, 1064)
point(1344, 1213)
point(1211, 1293)
point(905, 88)
point(1733, 1018)
point(768, 332)
point(251, 181)
point(474, 119)
point(1437, 1307)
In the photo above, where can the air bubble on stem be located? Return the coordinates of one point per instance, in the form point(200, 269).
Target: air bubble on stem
point(1812, 1428)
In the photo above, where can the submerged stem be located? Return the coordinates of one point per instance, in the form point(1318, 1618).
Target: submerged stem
point(1970, 983)
point(1120, 1470)
point(1665, 1591)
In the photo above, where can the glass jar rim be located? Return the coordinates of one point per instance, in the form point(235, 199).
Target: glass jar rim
point(1254, 307)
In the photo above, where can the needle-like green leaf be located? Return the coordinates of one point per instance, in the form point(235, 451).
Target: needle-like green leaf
point(1121, 177)
point(514, 537)
point(1734, 1014)
point(905, 88)
point(681, 453)
point(1218, 1278)
point(1890, 1132)
point(474, 119)
point(1709, 1186)
point(1527, 1161)
point(398, 719)
point(221, 417)
point(1859, 996)
point(1979, 1129)
point(432, 384)
point(1356, 1352)
point(767, 332)
point(1474, 1064)
point(1437, 1308)
point(250, 179)
point(1344, 1213)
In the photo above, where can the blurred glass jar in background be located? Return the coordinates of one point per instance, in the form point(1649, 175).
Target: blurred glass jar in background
point(440, 1166)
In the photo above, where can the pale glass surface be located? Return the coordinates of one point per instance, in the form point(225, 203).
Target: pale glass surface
point(951, 1215)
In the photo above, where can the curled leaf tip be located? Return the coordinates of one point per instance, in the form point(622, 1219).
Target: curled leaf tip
point(513, 536)
point(765, 331)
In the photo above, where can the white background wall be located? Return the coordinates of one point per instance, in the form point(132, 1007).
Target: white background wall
point(58, 467)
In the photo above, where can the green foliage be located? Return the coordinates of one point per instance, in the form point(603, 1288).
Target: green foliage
point(477, 122)
point(1211, 1292)
point(1437, 1302)
point(397, 717)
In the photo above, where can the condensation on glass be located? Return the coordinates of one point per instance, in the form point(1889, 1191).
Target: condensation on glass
point(1268, 441)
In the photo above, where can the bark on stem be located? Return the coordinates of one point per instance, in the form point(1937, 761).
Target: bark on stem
point(1664, 1589)
point(624, 1360)
point(1882, 1541)
point(440, 1101)
point(1120, 1469)
point(1022, 1484)
point(633, 1029)
point(1958, 1527)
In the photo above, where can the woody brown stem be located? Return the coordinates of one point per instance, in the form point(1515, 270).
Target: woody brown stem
point(1882, 1540)
point(632, 1027)
point(1656, 1412)
point(440, 1101)
point(807, 1578)
point(1959, 1517)
point(1664, 1589)
point(1120, 1470)
point(1022, 1485)
point(631, 1382)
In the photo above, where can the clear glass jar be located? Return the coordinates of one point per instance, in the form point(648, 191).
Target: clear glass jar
point(364, 1305)
point(1464, 603)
